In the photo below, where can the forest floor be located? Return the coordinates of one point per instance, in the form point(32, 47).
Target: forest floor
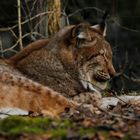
point(119, 123)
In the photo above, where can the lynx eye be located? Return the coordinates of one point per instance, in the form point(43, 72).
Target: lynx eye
point(103, 53)
point(91, 42)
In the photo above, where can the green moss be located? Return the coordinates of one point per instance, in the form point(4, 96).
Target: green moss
point(59, 133)
point(17, 125)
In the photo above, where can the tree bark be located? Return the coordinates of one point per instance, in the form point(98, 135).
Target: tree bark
point(54, 19)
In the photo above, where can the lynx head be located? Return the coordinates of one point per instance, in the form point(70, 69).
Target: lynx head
point(91, 54)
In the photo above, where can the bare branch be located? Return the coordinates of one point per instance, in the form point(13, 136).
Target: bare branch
point(131, 78)
point(117, 115)
point(22, 23)
point(1, 48)
point(13, 33)
point(126, 28)
point(19, 24)
point(86, 8)
point(9, 49)
point(32, 9)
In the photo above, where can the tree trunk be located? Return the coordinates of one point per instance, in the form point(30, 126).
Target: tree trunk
point(54, 19)
point(50, 23)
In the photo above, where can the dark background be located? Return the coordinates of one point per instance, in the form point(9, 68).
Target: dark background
point(123, 31)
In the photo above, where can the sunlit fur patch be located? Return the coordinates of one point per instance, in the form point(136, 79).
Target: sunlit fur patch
point(91, 84)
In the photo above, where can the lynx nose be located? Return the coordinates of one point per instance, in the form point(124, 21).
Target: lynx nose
point(111, 70)
point(102, 76)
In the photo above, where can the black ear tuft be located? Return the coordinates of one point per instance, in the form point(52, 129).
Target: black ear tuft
point(101, 27)
point(103, 21)
point(106, 14)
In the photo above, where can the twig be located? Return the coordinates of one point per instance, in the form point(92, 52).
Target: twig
point(9, 49)
point(66, 17)
point(126, 28)
point(118, 115)
point(13, 33)
point(22, 23)
point(114, 93)
point(32, 9)
point(86, 8)
point(1, 113)
point(131, 78)
point(38, 23)
point(19, 24)
point(1, 48)
point(65, 6)
point(27, 13)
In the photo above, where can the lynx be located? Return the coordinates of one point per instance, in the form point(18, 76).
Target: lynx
point(76, 60)
point(19, 92)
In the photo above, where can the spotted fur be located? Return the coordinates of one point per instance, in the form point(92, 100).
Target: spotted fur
point(17, 91)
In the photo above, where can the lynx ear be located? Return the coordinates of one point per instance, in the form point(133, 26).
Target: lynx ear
point(81, 32)
point(102, 27)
